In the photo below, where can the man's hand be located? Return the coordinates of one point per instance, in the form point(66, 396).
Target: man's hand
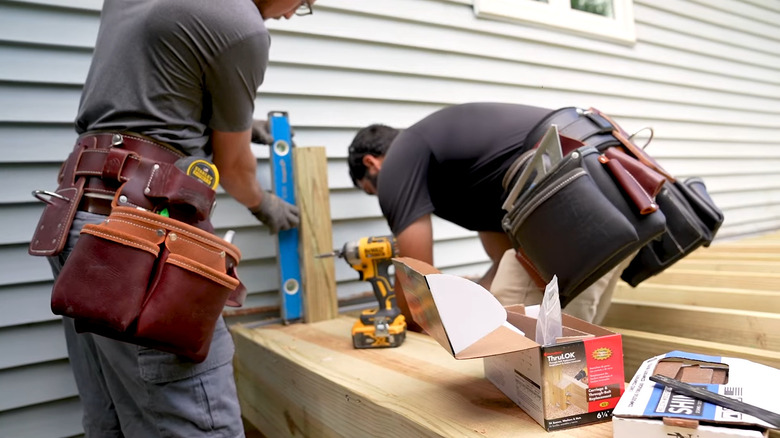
point(261, 133)
point(276, 213)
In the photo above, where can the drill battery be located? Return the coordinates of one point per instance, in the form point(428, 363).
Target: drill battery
point(379, 331)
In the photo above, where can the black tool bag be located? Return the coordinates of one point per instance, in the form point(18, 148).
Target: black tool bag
point(692, 220)
point(572, 216)
point(691, 217)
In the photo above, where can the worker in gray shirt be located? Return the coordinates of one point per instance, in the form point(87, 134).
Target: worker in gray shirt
point(182, 74)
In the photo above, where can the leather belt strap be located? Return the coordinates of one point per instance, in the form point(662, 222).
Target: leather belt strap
point(144, 170)
point(100, 206)
point(576, 123)
point(592, 128)
point(107, 159)
point(144, 146)
point(115, 156)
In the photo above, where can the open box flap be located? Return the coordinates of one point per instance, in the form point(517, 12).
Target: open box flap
point(461, 315)
point(505, 339)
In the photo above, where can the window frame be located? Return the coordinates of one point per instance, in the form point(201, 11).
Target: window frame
point(558, 14)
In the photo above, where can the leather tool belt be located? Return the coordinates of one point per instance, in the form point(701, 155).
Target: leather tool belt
point(153, 280)
point(125, 169)
point(690, 218)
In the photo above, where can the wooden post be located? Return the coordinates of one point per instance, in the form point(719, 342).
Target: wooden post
point(320, 301)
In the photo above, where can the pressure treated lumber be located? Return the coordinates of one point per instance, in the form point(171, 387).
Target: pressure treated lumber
point(737, 327)
point(755, 248)
point(769, 247)
point(306, 380)
point(318, 276)
point(738, 280)
point(639, 346)
point(726, 298)
point(772, 239)
point(723, 254)
point(722, 301)
point(743, 266)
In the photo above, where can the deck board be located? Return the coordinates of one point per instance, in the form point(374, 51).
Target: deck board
point(308, 380)
point(721, 300)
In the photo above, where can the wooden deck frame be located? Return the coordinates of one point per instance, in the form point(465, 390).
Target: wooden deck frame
point(737, 280)
point(723, 301)
point(726, 298)
point(639, 346)
point(737, 327)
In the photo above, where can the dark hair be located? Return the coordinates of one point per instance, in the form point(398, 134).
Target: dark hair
point(371, 140)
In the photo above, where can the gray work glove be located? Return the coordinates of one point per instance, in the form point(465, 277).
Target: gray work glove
point(261, 133)
point(276, 213)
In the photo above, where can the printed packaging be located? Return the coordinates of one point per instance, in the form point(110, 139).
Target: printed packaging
point(576, 381)
point(649, 409)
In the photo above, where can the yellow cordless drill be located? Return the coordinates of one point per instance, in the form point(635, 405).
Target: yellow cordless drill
point(371, 257)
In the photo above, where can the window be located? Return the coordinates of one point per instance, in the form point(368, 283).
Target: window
point(605, 19)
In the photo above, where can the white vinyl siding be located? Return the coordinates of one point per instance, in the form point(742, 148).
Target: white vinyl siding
point(703, 74)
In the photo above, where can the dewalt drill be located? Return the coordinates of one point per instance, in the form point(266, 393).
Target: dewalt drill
point(371, 257)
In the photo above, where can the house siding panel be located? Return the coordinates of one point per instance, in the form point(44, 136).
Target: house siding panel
point(702, 74)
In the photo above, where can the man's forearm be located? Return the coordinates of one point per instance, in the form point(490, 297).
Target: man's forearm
point(242, 185)
point(237, 166)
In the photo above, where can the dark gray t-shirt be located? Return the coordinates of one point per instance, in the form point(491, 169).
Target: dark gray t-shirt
point(452, 164)
point(175, 69)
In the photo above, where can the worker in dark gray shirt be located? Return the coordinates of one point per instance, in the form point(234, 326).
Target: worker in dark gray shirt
point(183, 74)
point(451, 164)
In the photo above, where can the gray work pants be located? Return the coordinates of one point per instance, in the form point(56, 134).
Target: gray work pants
point(132, 391)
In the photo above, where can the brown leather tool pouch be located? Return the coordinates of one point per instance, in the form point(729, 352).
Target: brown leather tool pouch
point(150, 280)
point(52, 231)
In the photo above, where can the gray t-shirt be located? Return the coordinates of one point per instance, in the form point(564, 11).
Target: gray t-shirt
point(452, 164)
point(175, 69)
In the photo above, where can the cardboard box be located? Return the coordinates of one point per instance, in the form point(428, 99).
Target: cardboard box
point(651, 410)
point(574, 382)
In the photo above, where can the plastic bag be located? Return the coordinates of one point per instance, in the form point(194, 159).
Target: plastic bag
point(549, 326)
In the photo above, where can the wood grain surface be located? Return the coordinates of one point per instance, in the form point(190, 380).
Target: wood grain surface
point(738, 327)
point(723, 300)
point(320, 301)
point(723, 297)
point(306, 380)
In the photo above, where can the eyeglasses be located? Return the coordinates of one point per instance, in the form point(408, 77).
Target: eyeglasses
point(304, 9)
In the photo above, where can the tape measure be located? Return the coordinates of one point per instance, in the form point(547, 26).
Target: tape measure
point(200, 169)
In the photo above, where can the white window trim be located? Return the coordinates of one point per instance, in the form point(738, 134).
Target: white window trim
point(558, 14)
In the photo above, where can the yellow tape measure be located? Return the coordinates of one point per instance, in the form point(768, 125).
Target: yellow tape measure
point(200, 169)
